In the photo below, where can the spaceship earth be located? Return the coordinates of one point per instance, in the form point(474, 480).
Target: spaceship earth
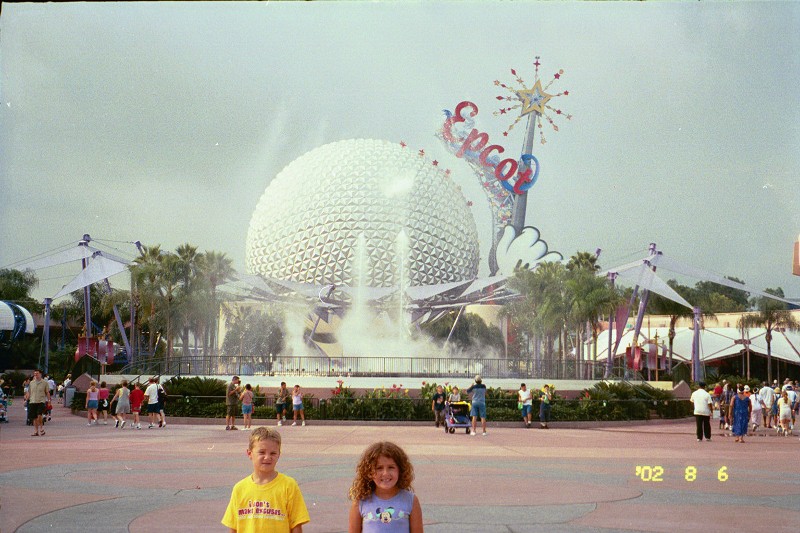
point(307, 225)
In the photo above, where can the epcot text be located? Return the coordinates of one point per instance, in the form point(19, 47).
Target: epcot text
point(475, 143)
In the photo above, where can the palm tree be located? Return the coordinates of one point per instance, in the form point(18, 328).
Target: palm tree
point(591, 297)
point(541, 310)
point(583, 261)
point(191, 285)
point(216, 268)
point(772, 315)
point(588, 296)
point(145, 271)
point(170, 276)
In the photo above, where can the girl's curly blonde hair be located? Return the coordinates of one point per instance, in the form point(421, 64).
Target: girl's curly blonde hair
point(363, 486)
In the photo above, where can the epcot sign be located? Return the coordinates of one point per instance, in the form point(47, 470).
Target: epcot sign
point(474, 147)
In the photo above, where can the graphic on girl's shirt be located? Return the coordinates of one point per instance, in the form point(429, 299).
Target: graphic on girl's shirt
point(386, 515)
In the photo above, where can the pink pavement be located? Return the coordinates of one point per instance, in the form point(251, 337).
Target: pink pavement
point(79, 478)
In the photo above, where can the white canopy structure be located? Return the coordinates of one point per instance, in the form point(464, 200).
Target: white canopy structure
point(97, 269)
point(643, 274)
point(420, 299)
point(715, 343)
point(97, 265)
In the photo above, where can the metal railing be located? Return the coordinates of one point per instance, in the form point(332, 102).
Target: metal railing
point(372, 367)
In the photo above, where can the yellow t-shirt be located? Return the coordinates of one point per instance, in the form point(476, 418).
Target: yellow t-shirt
point(277, 506)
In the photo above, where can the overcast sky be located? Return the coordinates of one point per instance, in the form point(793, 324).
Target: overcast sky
point(164, 122)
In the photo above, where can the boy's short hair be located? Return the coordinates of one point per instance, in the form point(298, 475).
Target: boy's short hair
point(265, 433)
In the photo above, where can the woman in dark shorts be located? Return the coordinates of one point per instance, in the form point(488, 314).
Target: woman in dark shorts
point(102, 401)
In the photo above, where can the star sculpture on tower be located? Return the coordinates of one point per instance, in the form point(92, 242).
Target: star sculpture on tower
point(534, 99)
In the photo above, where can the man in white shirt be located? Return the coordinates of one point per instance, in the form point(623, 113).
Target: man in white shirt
point(702, 411)
point(768, 397)
point(151, 397)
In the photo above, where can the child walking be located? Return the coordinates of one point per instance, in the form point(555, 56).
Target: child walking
point(137, 397)
point(297, 406)
point(266, 500)
point(247, 406)
point(383, 499)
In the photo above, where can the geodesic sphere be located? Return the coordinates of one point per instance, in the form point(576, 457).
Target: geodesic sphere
point(307, 223)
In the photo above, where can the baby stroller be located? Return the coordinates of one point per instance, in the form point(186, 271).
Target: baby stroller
point(456, 415)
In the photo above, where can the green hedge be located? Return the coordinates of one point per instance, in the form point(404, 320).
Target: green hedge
point(603, 402)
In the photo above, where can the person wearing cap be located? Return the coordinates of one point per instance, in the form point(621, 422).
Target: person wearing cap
point(478, 391)
point(740, 412)
point(792, 394)
point(703, 404)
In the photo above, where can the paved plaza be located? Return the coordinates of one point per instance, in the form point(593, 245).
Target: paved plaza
point(79, 478)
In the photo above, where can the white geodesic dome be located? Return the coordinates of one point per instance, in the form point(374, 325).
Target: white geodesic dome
point(307, 223)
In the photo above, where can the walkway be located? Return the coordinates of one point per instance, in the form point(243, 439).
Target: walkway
point(88, 479)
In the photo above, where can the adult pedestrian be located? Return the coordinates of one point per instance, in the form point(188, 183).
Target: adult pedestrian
point(232, 403)
point(544, 406)
point(151, 398)
point(280, 403)
point(757, 408)
point(478, 391)
point(123, 399)
point(792, 394)
point(768, 397)
point(525, 398)
point(37, 396)
point(162, 399)
point(246, 398)
point(67, 384)
point(91, 403)
point(728, 392)
point(297, 406)
point(25, 390)
point(102, 401)
point(136, 399)
point(703, 404)
point(51, 384)
point(784, 414)
point(740, 412)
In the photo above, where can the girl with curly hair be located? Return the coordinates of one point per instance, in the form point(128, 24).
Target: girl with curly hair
point(383, 498)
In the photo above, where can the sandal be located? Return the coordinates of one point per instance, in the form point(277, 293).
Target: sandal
point(42, 433)
point(35, 435)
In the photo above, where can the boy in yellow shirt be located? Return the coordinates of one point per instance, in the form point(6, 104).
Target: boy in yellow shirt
point(266, 500)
